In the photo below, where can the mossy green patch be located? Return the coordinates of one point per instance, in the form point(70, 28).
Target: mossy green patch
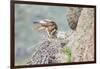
point(68, 52)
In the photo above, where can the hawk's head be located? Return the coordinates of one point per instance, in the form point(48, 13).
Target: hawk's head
point(48, 25)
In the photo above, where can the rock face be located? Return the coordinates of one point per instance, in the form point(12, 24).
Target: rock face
point(73, 16)
point(81, 41)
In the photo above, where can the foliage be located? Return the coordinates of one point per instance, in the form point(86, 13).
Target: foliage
point(68, 52)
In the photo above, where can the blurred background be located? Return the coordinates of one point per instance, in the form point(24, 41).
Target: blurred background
point(25, 38)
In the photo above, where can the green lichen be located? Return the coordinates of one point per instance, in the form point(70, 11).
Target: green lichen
point(68, 53)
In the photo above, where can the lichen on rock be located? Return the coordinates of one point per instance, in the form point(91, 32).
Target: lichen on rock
point(48, 52)
point(82, 40)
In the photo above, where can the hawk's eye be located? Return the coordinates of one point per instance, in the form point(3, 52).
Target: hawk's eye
point(52, 22)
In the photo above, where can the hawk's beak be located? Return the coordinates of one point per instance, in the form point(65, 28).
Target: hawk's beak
point(41, 28)
point(37, 26)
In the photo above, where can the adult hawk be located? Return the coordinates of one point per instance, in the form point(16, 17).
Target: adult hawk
point(48, 25)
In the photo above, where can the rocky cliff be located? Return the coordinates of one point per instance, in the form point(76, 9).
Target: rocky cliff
point(77, 47)
point(82, 40)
